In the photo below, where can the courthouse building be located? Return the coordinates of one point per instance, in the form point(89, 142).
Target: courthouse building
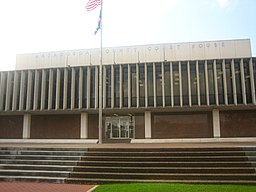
point(202, 91)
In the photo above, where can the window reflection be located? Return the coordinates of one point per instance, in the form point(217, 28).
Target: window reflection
point(184, 75)
point(108, 86)
point(116, 86)
point(167, 84)
point(220, 81)
point(125, 85)
point(159, 98)
point(229, 81)
point(211, 82)
point(193, 81)
point(142, 85)
point(238, 82)
point(150, 85)
point(133, 85)
point(176, 84)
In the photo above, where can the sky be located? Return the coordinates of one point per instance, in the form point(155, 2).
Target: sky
point(32, 26)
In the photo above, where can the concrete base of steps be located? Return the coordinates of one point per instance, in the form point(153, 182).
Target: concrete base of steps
point(32, 164)
point(32, 179)
point(196, 165)
point(126, 165)
point(109, 181)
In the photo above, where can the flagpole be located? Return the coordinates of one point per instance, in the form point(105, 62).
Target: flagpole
point(100, 82)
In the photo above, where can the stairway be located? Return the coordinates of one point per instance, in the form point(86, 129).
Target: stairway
point(188, 165)
point(115, 165)
point(33, 164)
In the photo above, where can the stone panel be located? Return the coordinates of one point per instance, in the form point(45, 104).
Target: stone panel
point(181, 125)
point(11, 127)
point(238, 123)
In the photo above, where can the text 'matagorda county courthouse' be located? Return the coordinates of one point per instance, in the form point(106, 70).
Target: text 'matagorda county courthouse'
point(200, 90)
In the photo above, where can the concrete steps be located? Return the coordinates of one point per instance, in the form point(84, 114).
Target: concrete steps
point(119, 165)
point(192, 165)
point(38, 164)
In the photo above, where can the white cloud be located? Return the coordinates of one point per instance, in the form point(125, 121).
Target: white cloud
point(224, 4)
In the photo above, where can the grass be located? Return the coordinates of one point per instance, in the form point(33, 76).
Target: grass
point(172, 187)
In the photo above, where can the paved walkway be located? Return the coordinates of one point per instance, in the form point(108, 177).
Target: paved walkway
point(42, 187)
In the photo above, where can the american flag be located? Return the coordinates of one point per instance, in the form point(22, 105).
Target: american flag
point(92, 4)
point(99, 24)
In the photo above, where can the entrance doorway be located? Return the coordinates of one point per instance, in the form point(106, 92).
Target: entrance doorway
point(119, 127)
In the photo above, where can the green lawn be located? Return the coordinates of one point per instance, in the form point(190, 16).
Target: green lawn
point(172, 187)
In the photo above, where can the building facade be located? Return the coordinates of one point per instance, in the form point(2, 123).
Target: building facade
point(202, 90)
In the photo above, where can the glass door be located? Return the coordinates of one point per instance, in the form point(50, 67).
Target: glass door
point(120, 127)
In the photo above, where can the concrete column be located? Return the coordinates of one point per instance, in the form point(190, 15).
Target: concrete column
point(137, 86)
point(26, 126)
point(252, 82)
point(104, 96)
point(88, 87)
point(73, 87)
point(8, 91)
point(57, 103)
point(121, 85)
point(97, 88)
point(84, 126)
point(216, 123)
point(112, 86)
point(147, 125)
point(129, 86)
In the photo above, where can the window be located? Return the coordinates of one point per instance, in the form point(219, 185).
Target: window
point(211, 82)
point(247, 80)
point(220, 81)
point(176, 84)
point(167, 84)
point(158, 76)
point(229, 81)
point(193, 81)
point(92, 87)
point(125, 85)
point(133, 85)
point(142, 85)
point(150, 85)
point(108, 86)
point(184, 75)
point(238, 82)
point(203, 100)
point(116, 86)
point(84, 93)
